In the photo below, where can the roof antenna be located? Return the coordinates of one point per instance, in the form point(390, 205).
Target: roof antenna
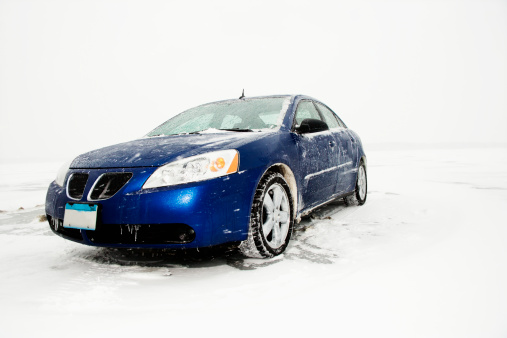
point(242, 95)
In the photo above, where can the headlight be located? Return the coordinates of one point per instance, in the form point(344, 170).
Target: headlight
point(62, 172)
point(195, 168)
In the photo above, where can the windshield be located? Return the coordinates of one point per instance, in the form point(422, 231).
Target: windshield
point(256, 114)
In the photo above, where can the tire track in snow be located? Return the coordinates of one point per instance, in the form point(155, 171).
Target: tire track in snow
point(96, 283)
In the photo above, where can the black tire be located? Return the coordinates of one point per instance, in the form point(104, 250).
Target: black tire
point(258, 244)
point(357, 197)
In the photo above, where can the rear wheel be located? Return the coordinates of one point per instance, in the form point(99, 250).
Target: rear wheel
point(361, 190)
point(271, 219)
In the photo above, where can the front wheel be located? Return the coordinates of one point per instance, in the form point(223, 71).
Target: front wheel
point(358, 197)
point(271, 219)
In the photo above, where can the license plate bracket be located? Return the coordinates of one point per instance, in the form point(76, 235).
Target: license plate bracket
point(80, 216)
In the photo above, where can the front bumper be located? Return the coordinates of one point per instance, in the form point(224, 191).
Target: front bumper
point(191, 215)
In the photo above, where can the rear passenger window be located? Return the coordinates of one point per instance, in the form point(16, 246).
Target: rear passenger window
point(329, 117)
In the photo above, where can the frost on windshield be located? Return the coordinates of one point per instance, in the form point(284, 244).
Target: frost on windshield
point(195, 124)
point(255, 114)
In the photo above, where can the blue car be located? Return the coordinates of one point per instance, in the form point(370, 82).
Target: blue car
point(236, 171)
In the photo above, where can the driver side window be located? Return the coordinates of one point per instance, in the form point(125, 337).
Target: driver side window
point(306, 110)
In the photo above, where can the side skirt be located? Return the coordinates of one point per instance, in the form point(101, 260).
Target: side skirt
point(309, 211)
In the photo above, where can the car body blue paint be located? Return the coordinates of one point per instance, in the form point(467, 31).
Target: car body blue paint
point(217, 209)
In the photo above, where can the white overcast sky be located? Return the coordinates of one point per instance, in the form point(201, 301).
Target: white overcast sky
point(78, 75)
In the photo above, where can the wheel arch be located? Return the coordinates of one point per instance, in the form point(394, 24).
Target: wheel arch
point(289, 177)
point(363, 159)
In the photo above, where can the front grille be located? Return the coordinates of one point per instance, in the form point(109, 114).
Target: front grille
point(76, 185)
point(108, 184)
point(172, 233)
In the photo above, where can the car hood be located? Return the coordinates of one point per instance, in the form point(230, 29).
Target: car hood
point(156, 151)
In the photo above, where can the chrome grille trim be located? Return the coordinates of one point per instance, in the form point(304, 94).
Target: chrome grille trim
point(74, 186)
point(102, 185)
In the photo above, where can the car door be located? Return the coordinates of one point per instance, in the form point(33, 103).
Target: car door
point(346, 149)
point(318, 157)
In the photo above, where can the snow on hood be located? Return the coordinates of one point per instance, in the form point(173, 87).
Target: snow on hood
point(156, 151)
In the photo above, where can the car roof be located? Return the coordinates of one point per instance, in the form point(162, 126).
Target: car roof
point(293, 98)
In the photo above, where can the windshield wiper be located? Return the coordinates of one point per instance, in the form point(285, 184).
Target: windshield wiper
point(237, 129)
point(193, 132)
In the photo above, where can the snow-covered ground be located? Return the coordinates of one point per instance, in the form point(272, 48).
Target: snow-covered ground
point(426, 256)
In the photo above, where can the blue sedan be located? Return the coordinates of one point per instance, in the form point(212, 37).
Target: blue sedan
point(236, 171)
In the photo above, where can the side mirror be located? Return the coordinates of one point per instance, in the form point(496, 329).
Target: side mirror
point(311, 126)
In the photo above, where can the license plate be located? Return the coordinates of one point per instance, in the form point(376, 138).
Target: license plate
point(80, 216)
